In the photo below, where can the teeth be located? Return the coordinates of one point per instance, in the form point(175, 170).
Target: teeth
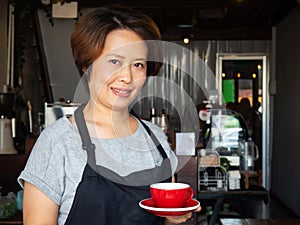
point(120, 91)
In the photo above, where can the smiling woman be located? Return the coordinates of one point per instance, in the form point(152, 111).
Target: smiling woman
point(118, 75)
point(80, 167)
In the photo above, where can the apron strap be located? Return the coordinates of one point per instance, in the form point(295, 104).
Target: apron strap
point(84, 134)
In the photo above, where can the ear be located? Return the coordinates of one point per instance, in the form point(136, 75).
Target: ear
point(86, 73)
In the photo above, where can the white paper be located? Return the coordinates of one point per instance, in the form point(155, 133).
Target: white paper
point(235, 174)
point(185, 144)
point(66, 10)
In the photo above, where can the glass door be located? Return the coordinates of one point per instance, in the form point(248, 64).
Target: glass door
point(242, 83)
point(242, 93)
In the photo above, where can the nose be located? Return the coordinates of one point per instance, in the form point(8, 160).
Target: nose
point(125, 74)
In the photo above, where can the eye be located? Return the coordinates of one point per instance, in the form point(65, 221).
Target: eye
point(139, 65)
point(114, 61)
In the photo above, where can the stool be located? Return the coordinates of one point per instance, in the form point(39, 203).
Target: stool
point(252, 174)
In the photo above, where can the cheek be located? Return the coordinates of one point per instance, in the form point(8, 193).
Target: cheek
point(139, 81)
point(100, 72)
point(99, 78)
point(96, 84)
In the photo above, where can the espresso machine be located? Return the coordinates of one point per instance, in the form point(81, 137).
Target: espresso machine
point(7, 124)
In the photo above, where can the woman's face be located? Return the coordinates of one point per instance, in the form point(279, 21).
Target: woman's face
point(117, 76)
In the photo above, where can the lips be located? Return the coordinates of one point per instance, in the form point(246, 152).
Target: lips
point(121, 92)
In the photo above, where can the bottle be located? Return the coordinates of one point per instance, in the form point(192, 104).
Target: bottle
point(40, 125)
point(153, 116)
point(163, 121)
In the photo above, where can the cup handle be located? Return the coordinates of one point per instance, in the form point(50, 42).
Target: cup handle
point(190, 194)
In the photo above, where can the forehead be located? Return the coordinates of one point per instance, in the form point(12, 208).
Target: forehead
point(125, 42)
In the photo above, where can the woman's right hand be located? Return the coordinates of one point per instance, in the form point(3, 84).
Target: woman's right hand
point(171, 220)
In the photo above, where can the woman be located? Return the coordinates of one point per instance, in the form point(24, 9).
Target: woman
point(95, 167)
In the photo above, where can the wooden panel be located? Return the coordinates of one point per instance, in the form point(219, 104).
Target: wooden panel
point(12, 163)
point(188, 174)
point(188, 171)
point(10, 168)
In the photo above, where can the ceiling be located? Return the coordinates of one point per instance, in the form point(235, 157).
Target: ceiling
point(210, 19)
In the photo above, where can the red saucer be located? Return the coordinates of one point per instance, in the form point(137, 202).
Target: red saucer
point(149, 205)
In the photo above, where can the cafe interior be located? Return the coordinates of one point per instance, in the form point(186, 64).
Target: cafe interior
point(224, 97)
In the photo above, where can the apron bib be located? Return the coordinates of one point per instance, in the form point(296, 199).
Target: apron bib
point(105, 198)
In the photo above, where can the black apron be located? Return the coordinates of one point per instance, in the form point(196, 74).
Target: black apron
point(105, 198)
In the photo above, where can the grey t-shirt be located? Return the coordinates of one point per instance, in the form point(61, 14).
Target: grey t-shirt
point(57, 161)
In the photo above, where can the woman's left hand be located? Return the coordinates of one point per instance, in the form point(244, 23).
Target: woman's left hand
point(170, 220)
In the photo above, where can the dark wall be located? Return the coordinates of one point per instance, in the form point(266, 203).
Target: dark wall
point(286, 141)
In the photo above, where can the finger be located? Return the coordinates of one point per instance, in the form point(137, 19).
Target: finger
point(179, 219)
point(198, 209)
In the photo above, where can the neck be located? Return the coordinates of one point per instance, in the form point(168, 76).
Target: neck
point(100, 114)
point(108, 123)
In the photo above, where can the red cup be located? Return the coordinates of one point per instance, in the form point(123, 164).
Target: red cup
point(171, 195)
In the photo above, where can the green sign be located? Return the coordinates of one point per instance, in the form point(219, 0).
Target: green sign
point(228, 90)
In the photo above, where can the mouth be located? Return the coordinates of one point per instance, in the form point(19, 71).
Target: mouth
point(121, 92)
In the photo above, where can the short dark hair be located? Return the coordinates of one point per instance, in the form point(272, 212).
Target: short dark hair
point(89, 36)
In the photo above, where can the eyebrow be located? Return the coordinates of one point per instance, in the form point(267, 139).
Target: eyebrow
point(115, 55)
point(120, 56)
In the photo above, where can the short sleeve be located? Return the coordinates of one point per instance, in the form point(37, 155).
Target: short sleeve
point(45, 167)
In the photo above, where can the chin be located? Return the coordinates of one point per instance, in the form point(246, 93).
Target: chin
point(121, 107)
